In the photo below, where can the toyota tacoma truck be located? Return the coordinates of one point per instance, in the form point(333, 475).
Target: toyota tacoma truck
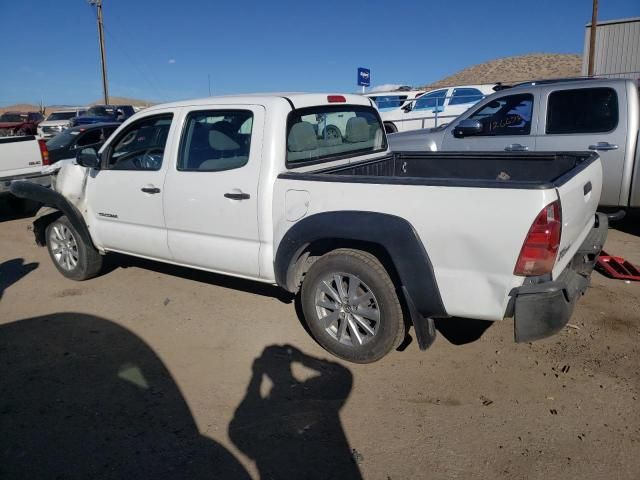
point(374, 242)
point(601, 115)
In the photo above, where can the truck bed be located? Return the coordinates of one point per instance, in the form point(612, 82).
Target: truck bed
point(539, 170)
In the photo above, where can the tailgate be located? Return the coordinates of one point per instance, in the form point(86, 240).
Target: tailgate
point(19, 156)
point(579, 197)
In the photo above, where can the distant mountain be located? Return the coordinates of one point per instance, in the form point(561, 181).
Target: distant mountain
point(26, 107)
point(535, 66)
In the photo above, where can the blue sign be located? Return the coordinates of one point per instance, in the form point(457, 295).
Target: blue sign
point(364, 77)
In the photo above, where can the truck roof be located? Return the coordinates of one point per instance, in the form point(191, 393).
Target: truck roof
point(577, 81)
point(297, 99)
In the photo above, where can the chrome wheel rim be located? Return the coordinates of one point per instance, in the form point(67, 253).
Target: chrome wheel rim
point(64, 247)
point(347, 309)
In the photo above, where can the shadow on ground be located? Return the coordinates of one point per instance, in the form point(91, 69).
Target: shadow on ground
point(460, 331)
point(12, 271)
point(293, 429)
point(13, 208)
point(629, 224)
point(81, 397)
point(115, 261)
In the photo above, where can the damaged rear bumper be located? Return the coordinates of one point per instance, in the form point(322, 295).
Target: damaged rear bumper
point(544, 308)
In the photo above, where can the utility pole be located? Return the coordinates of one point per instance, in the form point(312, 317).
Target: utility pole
point(105, 85)
point(592, 38)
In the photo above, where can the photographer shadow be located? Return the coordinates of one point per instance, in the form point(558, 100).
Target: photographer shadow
point(81, 397)
point(290, 426)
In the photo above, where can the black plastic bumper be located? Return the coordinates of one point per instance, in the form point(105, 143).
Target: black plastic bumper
point(543, 308)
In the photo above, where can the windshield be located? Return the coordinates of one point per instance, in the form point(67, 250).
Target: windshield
point(60, 116)
point(321, 133)
point(101, 111)
point(63, 139)
point(11, 117)
point(388, 102)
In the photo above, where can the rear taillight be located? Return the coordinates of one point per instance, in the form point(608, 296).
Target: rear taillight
point(538, 254)
point(44, 153)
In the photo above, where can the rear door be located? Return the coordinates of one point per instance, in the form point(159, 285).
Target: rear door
point(593, 118)
point(507, 122)
point(211, 199)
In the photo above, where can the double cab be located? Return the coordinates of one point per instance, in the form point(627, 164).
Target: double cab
point(373, 241)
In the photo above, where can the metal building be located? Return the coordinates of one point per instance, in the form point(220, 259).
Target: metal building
point(617, 48)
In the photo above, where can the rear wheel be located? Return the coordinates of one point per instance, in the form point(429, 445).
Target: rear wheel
point(351, 306)
point(70, 253)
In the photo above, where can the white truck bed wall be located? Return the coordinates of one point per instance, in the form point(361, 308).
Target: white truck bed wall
point(473, 236)
point(19, 156)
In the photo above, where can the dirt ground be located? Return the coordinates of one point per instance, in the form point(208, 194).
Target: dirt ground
point(153, 371)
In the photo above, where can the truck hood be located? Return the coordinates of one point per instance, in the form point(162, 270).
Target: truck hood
point(428, 139)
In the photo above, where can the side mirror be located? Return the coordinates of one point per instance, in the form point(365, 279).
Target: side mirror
point(88, 157)
point(407, 108)
point(467, 128)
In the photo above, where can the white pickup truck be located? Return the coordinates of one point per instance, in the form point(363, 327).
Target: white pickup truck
point(22, 158)
point(374, 241)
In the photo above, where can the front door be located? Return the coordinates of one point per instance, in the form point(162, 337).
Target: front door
point(211, 198)
point(581, 119)
point(124, 197)
point(507, 126)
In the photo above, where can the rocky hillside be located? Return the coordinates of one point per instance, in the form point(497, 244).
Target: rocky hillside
point(535, 66)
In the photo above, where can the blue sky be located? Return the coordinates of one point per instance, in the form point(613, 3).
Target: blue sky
point(164, 50)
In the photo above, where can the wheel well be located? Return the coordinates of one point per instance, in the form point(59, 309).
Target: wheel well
point(40, 225)
point(309, 253)
point(390, 127)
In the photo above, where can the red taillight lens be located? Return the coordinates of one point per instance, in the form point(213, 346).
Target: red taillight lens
point(44, 153)
point(538, 254)
point(336, 99)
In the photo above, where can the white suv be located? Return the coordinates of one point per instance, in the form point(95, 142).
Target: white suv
point(434, 108)
point(58, 121)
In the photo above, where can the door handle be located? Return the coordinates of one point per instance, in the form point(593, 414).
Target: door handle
point(516, 147)
point(603, 146)
point(237, 196)
point(150, 189)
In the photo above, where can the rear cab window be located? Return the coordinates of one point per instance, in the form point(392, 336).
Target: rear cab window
point(331, 132)
point(583, 110)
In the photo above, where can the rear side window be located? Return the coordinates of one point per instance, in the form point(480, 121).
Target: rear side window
point(388, 102)
point(461, 96)
point(320, 134)
point(90, 138)
point(510, 115)
point(431, 100)
point(216, 140)
point(584, 110)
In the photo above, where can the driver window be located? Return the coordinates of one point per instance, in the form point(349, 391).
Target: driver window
point(510, 115)
point(141, 145)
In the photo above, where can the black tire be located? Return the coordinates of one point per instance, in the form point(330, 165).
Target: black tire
point(390, 128)
point(331, 131)
point(366, 268)
point(88, 261)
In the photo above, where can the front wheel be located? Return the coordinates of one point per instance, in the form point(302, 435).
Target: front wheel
point(351, 306)
point(72, 256)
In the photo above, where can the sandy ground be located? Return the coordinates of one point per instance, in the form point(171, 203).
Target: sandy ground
point(152, 371)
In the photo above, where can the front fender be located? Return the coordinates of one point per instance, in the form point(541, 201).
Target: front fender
point(52, 199)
